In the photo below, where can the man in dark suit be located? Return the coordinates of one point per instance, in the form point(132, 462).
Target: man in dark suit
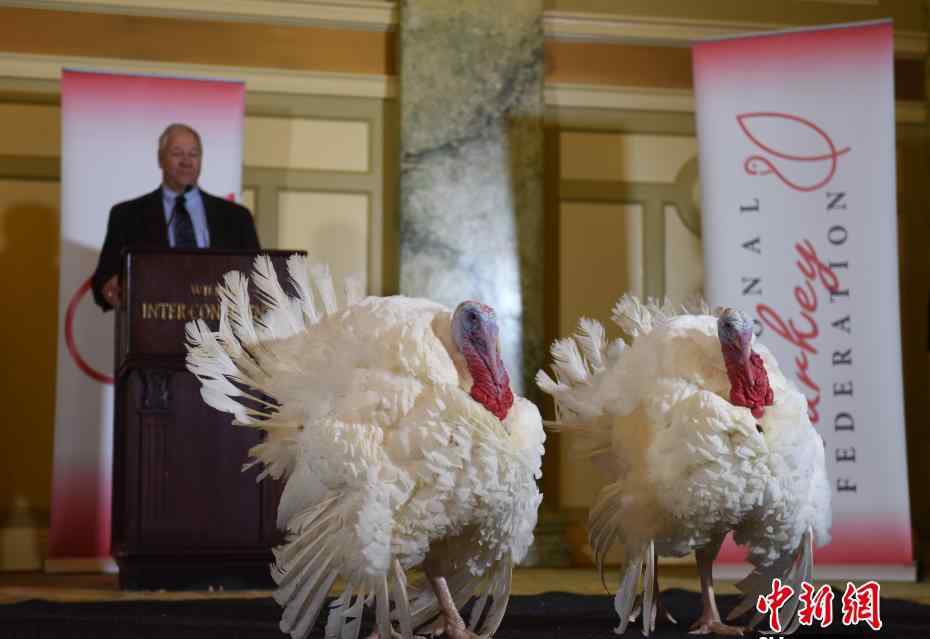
point(177, 214)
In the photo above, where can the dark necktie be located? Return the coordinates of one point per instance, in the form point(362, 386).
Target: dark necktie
point(183, 226)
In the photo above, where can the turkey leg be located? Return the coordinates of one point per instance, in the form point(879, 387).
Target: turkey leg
point(450, 621)
point(709, 621)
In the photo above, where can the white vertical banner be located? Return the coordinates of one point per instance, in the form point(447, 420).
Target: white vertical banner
point(110, 129)
point(797, 161)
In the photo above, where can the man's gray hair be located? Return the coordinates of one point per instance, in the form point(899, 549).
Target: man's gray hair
point(174, 128)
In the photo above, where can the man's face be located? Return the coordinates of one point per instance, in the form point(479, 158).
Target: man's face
point(180, 161)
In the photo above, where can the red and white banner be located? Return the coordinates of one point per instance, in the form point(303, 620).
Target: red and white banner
point(797, 162)
point(110, 129)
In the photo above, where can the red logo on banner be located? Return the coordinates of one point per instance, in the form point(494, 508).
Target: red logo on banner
point(79, 361)
point(821, 163)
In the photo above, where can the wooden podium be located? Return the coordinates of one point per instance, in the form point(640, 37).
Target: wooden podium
point(184, 514)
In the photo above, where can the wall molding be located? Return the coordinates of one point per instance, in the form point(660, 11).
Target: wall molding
point(614, 97)
point(44, 67)
point(584, 96)
point(384, 15)
point(373, 15)
point(678, 32)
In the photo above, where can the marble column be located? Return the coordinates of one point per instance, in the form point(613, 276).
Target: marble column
point(471, 191)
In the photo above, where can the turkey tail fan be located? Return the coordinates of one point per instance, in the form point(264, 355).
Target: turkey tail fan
point(401, 602)
point(277, 453)
point(323, 279)
point(650, 596)
point(793, 570)
point(382, 607)
point(298, 268)
point(478, 609)
point(626, 593)
point(212, 365)
point(209, 359)
point(758, 583)
point(279, 318)
point(592, 339)
point(499, 594)
point(549, 386)
point(568, 364)
point(562, 397)
point(637, 318)
point(300, 275)
point(800, 572)
point(695, 304)
point(345, 615)
point(234, 298)
point(575, 360)
point(604, 522)
point(250, 373)
point(423, 606)
point(304, 568)
point(632, 316)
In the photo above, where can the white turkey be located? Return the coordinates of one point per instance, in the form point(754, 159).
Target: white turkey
point(402, 445)
point(701, 435)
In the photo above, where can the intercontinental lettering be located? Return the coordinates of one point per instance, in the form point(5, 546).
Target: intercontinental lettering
point(185, 312)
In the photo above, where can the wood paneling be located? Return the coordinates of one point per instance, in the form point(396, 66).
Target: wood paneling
point(196, 41)
point(599, 63)
point(617, 64)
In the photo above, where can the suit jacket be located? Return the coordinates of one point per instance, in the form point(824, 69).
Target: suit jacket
point(141, 222)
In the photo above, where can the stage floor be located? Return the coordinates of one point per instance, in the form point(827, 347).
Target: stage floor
point(25, 586)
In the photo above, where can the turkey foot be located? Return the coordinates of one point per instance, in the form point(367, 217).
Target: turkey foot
point(660, 612)
point(450, 623)
point(708, 626)
point(441, 628)
point(709, 620)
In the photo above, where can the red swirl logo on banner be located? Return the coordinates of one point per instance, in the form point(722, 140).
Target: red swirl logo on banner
point(761, 165)
point(81, 363)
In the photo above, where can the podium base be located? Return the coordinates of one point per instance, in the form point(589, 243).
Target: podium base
point(196, 573)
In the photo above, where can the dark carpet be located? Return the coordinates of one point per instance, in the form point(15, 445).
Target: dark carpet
point(566, 616)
